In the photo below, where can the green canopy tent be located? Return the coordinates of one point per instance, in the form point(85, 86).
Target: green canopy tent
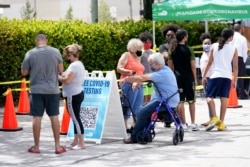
point(200, 10)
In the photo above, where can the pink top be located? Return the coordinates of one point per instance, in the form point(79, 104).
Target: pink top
point(134, 65)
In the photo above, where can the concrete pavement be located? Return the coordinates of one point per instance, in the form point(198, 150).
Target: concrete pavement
point(207, 149)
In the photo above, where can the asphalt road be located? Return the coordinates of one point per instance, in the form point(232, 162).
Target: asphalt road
point(228, 148)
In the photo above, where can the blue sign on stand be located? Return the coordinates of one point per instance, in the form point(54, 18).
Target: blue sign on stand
point(96, 105)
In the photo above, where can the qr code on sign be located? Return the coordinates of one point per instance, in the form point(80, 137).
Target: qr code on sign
point(88, 115)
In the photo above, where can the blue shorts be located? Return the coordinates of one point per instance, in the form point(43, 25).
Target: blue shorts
point(218, 87)
point(40, 102)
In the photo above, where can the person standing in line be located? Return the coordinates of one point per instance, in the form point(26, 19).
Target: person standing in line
point(128, 65)
point(72, 80)
point(168, 33)
point(206, 44)
point(245, 28)
point(42, 64)
point(163, 77)
point(221, 58)
point(182, 62)
point(240, 42)
point(147, 40)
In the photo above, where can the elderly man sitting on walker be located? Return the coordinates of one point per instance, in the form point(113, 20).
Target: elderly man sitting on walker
point(164, 78)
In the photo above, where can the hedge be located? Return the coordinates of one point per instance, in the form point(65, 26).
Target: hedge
point(103, 43)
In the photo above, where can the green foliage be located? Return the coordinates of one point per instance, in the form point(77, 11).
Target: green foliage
point(103, 43)
point(27, 12)
point(103, 12)
point(69, 15)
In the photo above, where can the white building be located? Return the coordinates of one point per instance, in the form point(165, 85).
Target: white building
point(57, 9)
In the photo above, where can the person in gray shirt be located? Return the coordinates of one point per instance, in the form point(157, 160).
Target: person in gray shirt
point(42, 64)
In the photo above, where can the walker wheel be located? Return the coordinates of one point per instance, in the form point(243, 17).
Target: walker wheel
point(181, 134)
point(152, 134)
point(175, 137)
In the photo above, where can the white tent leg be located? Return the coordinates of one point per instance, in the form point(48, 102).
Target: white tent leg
point(206, 25)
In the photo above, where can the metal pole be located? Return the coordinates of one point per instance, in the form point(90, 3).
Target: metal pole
point(35, 8)
point(206, 25)
point(131, 11)
point(94, 11)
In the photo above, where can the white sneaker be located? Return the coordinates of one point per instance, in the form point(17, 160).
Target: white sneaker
point(194, 127)
point(185, 127)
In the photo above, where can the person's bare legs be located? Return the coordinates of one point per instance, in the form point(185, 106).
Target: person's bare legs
point(192, 112)
point(75, 141)
point(126, 123)
point(211, 106)
point(36, 126)
point(181, 112)
point(223, 108)
point(56, 131)
point(215, 121)
point(81, 143)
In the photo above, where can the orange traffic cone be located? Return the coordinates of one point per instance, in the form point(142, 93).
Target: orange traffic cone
point(232, 101)
point(24, 103)
point(65, 121)
point(9, 117)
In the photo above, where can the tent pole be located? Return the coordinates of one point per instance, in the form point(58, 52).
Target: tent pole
point(206, 25)
point(154, 34)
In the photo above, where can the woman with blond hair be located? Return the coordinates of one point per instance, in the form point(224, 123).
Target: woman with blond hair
point(72, 80)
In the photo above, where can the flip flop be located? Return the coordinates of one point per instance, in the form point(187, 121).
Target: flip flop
point(205, 124)
point(33, 150)
point(62, 150)
point(77, 148)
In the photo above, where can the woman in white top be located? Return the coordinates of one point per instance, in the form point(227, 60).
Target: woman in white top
point(221, 57)
point(72, 80)
point(206, 45)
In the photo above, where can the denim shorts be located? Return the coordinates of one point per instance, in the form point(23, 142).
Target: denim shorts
point(41, 102)
point(218, 87)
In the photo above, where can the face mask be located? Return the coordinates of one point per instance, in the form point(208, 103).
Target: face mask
point(153, 69)
point(206, 48)
point(139, 53)
point(147, 46)
point(68, 61)
point(169, 38)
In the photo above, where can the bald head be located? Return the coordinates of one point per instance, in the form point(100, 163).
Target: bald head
point(237, 27)
point(41, 39)
point(41, 36)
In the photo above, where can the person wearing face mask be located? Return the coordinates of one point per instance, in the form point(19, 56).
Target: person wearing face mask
point(182, 62)
point(222, 62)
point(168, 33)
point(147, 39)
point(72, 80)
point(164, 78)
point(129, 64)
point(206, 44)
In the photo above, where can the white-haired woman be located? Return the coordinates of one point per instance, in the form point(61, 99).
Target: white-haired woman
point(129, 64)
point(72, 80)
point(164, 78)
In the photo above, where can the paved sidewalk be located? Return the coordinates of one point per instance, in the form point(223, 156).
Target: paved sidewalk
point(229, 148)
